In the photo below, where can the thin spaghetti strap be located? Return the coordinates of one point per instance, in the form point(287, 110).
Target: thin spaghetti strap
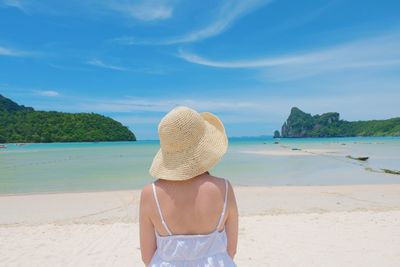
point(159, 210)
point(221, 218)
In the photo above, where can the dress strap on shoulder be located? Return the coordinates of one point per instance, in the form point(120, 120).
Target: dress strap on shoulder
point(159, 210)
point(221, 218)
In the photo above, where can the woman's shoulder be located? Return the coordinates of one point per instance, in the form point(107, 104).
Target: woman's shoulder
point(146, 195)
point(147, 189)
point(218, 180)
point(221, 184)
point(215, 183)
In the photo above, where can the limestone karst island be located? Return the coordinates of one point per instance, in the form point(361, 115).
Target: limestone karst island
point(301, 124)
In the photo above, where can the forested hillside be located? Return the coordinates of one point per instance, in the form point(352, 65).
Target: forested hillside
point(20, 124)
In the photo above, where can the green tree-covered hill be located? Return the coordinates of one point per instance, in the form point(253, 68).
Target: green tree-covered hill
point(19, 124)
point(301, 124)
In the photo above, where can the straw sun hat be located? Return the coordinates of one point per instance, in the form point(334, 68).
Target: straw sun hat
point(191, 144)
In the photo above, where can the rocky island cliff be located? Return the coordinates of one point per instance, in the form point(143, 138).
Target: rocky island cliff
point(301, 124)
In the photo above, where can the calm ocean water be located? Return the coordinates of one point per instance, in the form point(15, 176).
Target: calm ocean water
point(75, 167)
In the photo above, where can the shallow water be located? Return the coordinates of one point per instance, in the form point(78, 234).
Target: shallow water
point(74, 167)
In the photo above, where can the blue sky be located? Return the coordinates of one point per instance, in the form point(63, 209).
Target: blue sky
point(247, 61)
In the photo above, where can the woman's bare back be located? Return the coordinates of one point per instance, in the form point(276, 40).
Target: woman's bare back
point(190, 207)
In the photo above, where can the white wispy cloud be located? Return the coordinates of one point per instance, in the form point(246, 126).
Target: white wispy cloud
point(19, 4)
point(143, 10)
point(136, 119)
point(146, 10)
point(146, 70)
point(99, 63)
point(252, 63)
point(227, 14)
point(48, 93)
point(11, 52)
point(162, 105)
point(378, 52)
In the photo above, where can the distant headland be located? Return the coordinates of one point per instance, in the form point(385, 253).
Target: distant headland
point(301, 124)
point(20, 124)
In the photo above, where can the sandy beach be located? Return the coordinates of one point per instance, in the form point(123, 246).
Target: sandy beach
point(352, 225)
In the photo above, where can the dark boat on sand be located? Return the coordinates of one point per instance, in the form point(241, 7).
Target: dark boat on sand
point(358, 158)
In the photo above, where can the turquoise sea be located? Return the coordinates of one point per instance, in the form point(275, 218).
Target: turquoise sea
point(76, 167)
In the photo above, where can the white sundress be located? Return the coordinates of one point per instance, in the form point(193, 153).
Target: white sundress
point(209, 250)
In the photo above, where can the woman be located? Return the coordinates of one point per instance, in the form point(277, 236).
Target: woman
point(188, 217)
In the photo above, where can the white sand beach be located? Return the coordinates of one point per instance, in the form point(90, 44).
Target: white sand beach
point(352, 225)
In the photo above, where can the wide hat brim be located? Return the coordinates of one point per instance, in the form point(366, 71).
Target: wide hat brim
point(186, 164)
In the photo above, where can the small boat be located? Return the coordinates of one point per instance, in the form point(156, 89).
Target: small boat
point(358, 158)
point(3, 146)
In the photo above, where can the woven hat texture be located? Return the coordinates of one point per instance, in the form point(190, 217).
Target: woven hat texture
point(190, 143)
